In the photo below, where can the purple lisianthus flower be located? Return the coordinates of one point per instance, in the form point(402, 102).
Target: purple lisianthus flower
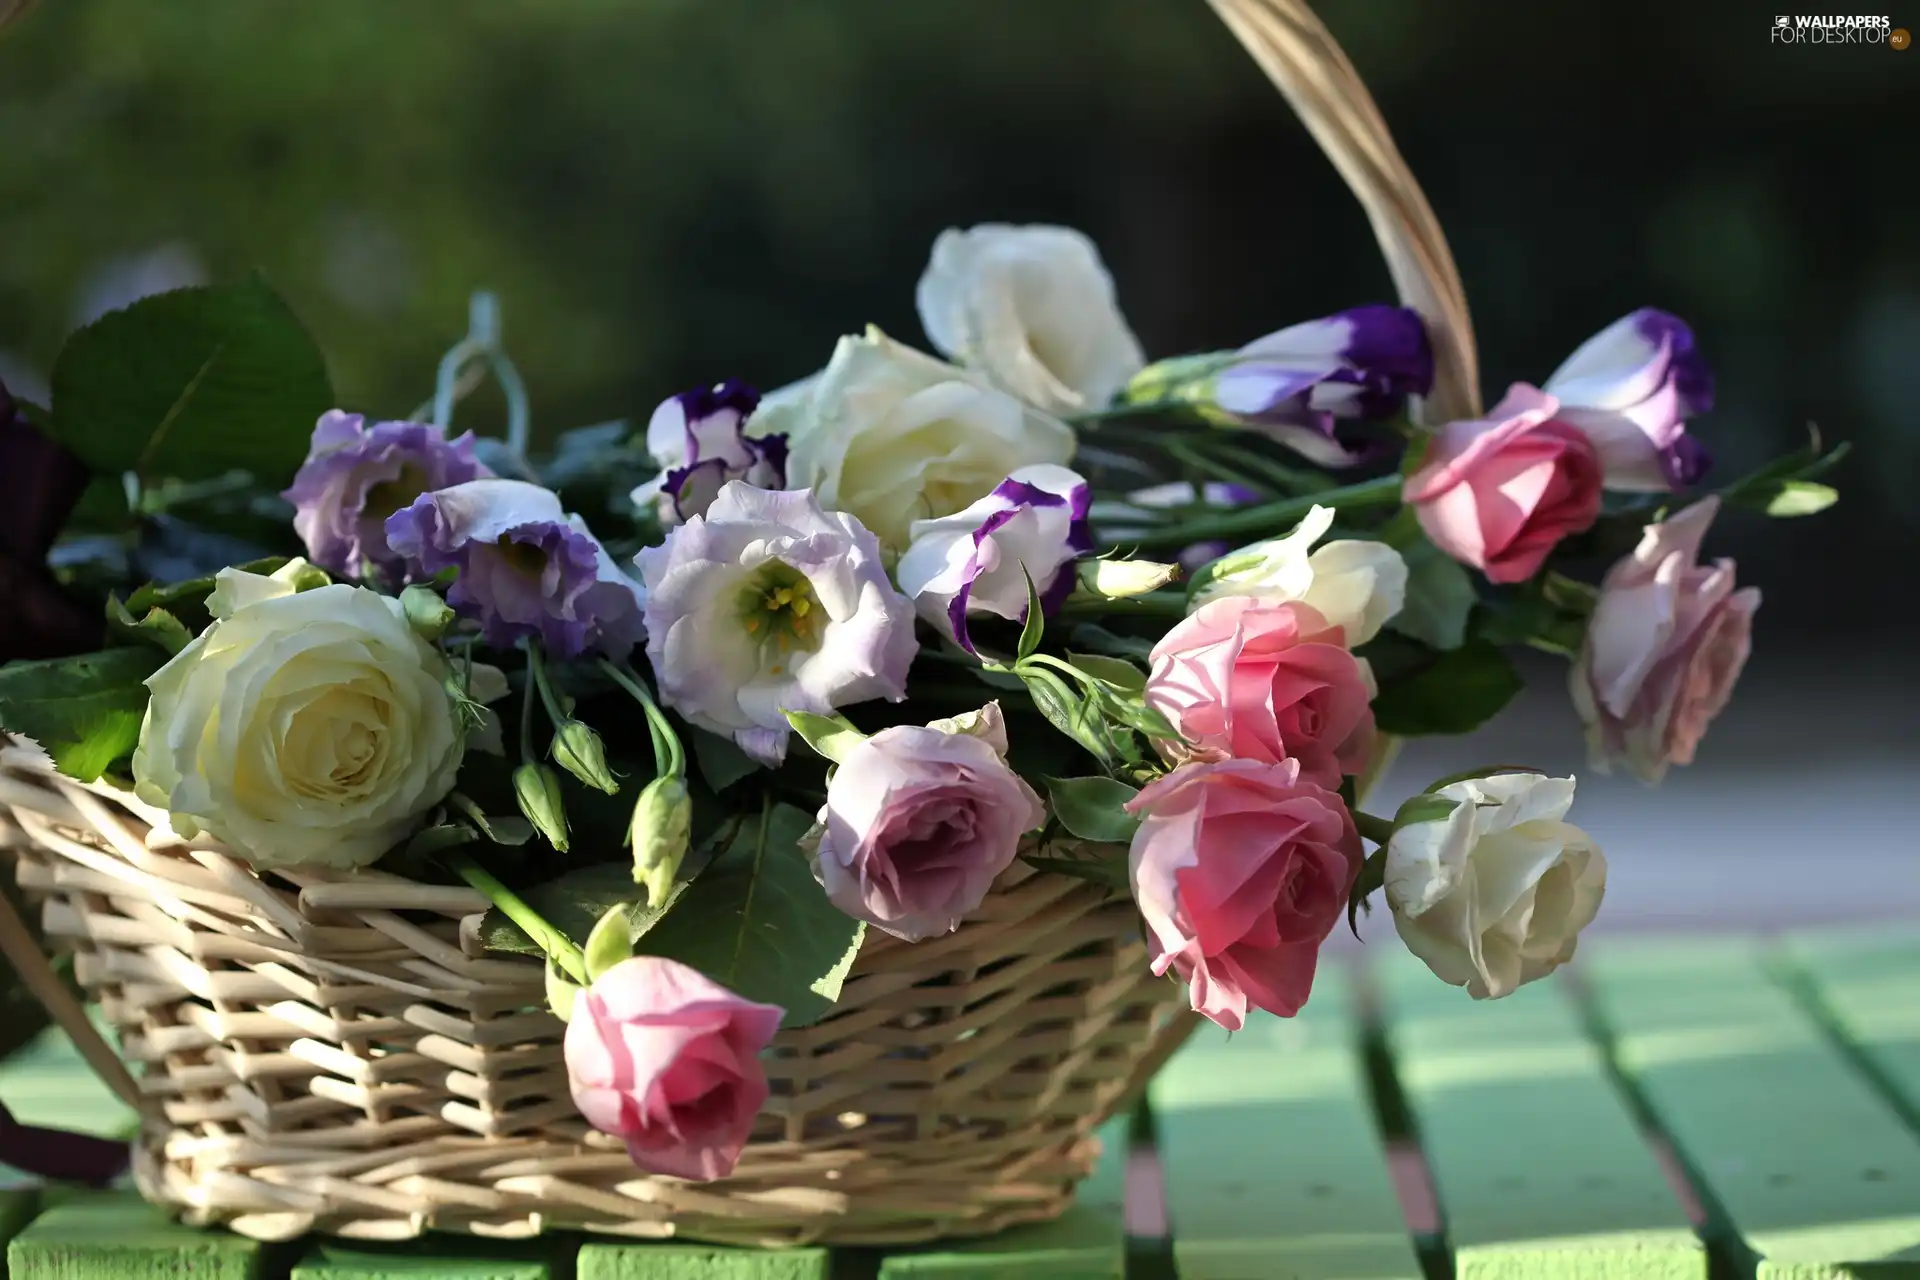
point(1631, 388)
point(700, 440)
point(1297, 384)
point(526, 569)
point(356, 476)
point(769, 604)
point(978, 560)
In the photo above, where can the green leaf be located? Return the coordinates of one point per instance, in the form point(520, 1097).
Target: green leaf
point(574, 904)
point(1801, 498)
point(1425, 807)
point(1373, 874)
point(1094, 808)
point(85, 711)
point(191, 384)
point(1759, 490)
point(1090, 635)
point(1117, 672)
point(159, 628)
point(188, 600)
point(1068, 712)
point(438, 839)
point(1455, 692)
point(721, 762)
point(829, 736)
point(758, 923)
point(507, 830)
point(1035, 625)
point(1440, 596)
point(1482, 771)
point(1110, 873)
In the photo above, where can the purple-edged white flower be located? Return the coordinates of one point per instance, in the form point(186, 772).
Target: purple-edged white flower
point(356, 475)
point(769, 604)
point(700, 440)
point(526, 569)
point(1296, 384)
point(978, 560)
point(1631, 388)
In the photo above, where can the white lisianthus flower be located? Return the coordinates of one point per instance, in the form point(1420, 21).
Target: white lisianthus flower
point(302, 727)
point(769, 604)
point(1495, 894)
point(890, 435)
point(1033, 308)
point(1356, 585)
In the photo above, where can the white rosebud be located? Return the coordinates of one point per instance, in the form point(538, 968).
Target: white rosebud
point(1356, 585)
point(1032, 308)
point(302, 727)
point(1120, 579)
point(1495, 894)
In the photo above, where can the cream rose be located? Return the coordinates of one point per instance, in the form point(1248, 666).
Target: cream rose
point(1495, 894)
point(1033, 308)
point(890, 435)
point(302, 726)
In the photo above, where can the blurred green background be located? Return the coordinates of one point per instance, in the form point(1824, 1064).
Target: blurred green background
point(664, 192)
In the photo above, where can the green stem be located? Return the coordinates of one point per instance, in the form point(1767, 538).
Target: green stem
point(1185, 453)
point(1378, 830)
point(537, 670)
point(666, 743)
point(526, 719)
point(1293, 480)
point(1160, 604)
point(1272, 517)
point(1142, 409)
point(559, 948)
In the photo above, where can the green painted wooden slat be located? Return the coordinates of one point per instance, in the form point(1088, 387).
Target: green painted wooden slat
point(1274, 1164)
point(1586, 1196)
point(1088, 1242)
point(16, 1210)
point(115, 1236)
point(1868, 982)
point(1802, 1158)
point(48, 1083)
point(679, 1261)
point(429, 1258)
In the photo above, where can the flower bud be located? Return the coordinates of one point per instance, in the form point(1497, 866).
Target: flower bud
point(576, 748)
point(1118, 579)
point(427, 613)
point(537, 788)
point(662, 826)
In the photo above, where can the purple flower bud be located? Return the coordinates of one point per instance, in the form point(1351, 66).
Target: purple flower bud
point(527, 570)
point(700, 440)
point(1631, 388)
point(978, 560)
point(356, 476)
point(1356, 365)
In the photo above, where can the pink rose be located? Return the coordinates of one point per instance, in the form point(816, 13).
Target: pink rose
point(1241, 870)
point(1244, 678)
point(919, 821)
point(1500, 492)
point(669, 1060)
point(1664, 648)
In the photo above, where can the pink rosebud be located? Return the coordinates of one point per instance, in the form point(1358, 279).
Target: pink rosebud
point(1665, 646)
point(1500, 492)
point(665, 1058)
point(1263, 681)
point(1241, 870)
point(919, 821)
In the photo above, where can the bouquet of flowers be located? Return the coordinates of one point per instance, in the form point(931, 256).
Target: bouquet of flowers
point(698, 704)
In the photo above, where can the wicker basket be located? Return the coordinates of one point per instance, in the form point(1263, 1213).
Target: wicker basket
point(323, 1051)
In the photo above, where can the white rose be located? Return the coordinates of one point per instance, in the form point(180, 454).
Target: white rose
point(1356, 585)
point(1032, 308)
point(302, 726)
point(1496, 893)
point(890, 435)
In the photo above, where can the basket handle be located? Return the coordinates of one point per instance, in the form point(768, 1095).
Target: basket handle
point(1307, 65)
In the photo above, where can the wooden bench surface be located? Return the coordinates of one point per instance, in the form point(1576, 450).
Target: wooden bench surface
point(1672, 1110)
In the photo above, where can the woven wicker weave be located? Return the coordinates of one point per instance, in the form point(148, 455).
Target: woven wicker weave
point(328, 1051)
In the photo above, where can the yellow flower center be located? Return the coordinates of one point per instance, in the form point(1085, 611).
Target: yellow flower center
point(524, 558)
point(389, 496)
point(779, 610)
